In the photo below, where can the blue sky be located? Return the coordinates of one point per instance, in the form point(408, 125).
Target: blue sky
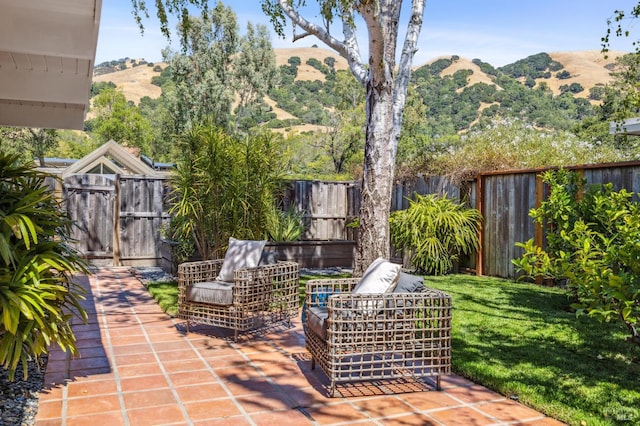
point(497, 31)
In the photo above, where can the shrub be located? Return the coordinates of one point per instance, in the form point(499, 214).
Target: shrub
point(436, 231)
point(224, 187)
point(284, 225)
point(593, 245)
point(38, 296)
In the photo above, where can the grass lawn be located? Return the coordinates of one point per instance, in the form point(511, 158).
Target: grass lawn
point(166, 294)
point(522, 341)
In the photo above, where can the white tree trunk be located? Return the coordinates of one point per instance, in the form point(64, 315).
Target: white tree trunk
point(377, 180)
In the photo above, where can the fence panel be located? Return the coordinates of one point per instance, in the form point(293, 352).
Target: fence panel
point(505, 205)
point(403, 191)
point(327, 208)
point(622, 176)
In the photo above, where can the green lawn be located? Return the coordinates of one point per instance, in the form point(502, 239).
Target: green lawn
point(522, 340)
point(166, 294)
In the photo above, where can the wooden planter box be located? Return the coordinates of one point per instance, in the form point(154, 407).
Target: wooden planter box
point(308, 254)
point(316, 254)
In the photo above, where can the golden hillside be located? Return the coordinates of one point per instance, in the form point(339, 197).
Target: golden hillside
point(135, 82)
point(306, 72)
point(588, 68)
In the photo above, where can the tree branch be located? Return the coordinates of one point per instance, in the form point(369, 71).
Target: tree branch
point(408, 51)
point(312, 28)
point(351, 47)
point(297, 37)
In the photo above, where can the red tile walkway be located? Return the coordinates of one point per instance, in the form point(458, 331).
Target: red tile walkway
point(137, 367)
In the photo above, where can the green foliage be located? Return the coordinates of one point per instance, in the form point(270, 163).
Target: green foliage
point(41, 141)
point(224, 187)
point(436, 231)
point(201, 72)
point(72, 144)
point(284, 225)
point(308, 100)
point(38, 295)
point(596, 93)
point(330, 61)
point(118, 120)
point(155, 112)
point(254, 73)
point(163, 78)
point(534, 66)
point(622, 100)
point(455, 106)
point(324, 69)
point(593, 244)
point(510, 144)
point(97, 87)
point(166, 294)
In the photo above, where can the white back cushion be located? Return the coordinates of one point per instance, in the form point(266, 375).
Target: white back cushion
point(380, 277)
point(240, 254)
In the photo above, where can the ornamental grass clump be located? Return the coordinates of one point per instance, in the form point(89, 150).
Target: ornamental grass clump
point(38, 296)
point(435, 230)
point(224, 187)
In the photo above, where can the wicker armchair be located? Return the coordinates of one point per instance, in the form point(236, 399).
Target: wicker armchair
point(261, 296)
point(365, 337)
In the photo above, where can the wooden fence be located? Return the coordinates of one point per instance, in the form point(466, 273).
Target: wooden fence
point(119, 218)
point(505, 199)
point(327, 207)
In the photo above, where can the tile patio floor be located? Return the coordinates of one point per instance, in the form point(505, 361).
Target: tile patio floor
point(137, 367)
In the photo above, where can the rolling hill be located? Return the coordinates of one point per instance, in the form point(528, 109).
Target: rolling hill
point(587, 69)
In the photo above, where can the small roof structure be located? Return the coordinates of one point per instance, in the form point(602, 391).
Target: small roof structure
point(110, 158)
point(47, 54)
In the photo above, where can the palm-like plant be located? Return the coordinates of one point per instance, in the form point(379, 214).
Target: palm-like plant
point(38, 296)
point(436, 231)
point(224, 187)
point(284, 225)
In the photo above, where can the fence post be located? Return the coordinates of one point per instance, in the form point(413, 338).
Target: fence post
point(116, 223)
point(538, 236)
point(480, 208)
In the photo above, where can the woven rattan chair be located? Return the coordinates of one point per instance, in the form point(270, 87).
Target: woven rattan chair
point(367, 337)
point(261, 296)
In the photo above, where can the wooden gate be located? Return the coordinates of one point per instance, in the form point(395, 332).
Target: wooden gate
point(90, 203)
point(117, 219)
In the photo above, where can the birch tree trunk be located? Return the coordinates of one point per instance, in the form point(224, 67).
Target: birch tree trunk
point(386, 90)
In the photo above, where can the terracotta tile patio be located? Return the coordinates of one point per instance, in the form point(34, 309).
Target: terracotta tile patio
point(139, 368)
